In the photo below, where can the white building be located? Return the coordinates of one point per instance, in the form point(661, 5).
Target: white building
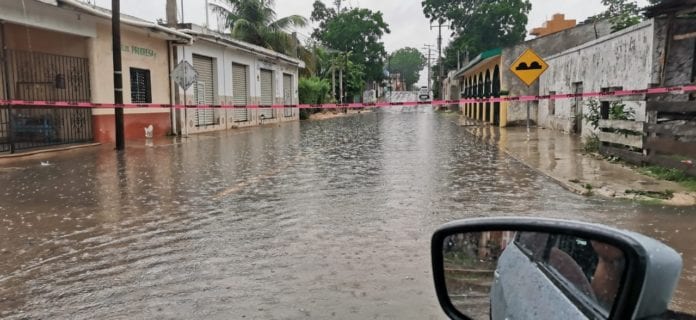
point(232, 72)
point(630, 59)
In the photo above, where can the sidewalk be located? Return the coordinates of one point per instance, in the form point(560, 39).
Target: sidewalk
point(561, 157)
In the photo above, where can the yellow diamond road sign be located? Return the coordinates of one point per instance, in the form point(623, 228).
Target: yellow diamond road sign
point(528, 67)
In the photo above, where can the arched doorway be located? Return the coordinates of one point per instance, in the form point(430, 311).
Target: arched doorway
point(479, 94)
point(487, 94)
point(496, 93)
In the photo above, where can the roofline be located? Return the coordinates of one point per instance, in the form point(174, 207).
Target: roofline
point(177, 35)
point(483, 57)
point(214, 37)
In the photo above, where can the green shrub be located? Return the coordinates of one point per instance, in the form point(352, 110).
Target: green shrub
point(591, 144)
point(312, 90)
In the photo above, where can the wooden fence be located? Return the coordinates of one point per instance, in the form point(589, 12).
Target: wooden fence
point(668, 139)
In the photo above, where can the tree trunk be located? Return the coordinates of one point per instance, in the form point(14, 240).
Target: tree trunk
point(345, 110)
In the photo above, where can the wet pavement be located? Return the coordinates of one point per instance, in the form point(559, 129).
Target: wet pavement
point(323, 219)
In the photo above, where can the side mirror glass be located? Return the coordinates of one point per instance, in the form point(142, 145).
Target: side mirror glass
point(522, 269)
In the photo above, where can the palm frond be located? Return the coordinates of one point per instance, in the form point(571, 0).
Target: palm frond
point(289, 21)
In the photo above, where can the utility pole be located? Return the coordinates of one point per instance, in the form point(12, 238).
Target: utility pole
point(171, 13)
point(118, 76)
point(441, 74)
point(207, 21)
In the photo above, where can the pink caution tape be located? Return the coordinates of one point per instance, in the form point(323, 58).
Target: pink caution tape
point(617, 93)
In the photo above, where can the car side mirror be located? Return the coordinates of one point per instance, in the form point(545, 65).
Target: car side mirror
point(530, 268)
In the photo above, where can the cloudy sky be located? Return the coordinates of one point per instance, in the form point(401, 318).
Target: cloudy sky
point(408, 25)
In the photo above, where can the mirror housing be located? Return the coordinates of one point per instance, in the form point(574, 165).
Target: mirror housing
point(652, 268)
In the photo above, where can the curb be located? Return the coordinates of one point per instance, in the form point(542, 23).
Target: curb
point(44, 151)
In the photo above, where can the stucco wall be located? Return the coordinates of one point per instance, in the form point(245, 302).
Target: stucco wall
point(621, 60)
point(153, 58)
point(31, 39)
point(224, 57)
point(544, 47)
point(101, 66)
point(47, 17)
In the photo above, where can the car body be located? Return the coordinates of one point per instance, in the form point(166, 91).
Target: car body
point(521, 269)
point(563, 275)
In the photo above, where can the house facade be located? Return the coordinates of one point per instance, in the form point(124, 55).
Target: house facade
point(489, 75)
point(61, 50)
point(232, 72)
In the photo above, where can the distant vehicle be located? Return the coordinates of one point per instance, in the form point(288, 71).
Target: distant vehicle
point(424, 94)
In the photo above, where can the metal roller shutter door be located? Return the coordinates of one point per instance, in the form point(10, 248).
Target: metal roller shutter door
point(287, 94)
point(204, 90)
point(240, 91)
point(266, 93)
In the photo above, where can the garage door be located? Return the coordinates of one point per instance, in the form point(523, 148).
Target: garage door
point(287, 94)
point(204, 89)
point(240, 91)
point(266, 93)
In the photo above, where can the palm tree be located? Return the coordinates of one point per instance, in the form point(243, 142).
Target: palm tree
point(255, 21)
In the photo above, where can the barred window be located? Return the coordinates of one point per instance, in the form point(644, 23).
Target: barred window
point(140, 86)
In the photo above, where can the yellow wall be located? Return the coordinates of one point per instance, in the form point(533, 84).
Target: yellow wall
point(153, 59)
point(481, 68)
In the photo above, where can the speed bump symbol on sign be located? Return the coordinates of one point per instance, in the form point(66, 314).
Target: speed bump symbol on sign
point(528, 67)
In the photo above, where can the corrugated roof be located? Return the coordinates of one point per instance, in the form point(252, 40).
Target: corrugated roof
point(670, 7)
point(225, 39)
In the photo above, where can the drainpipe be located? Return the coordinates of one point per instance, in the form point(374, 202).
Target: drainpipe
point(6, 75)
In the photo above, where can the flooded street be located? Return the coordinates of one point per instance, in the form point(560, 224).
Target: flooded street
point(324, 219)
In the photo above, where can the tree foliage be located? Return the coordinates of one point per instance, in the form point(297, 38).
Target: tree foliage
point(255, 21)
point(480, 25)
point(355, 30)
point(620, 13)
point(409, 62)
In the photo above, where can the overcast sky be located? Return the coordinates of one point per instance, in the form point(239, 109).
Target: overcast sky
point(408, 25)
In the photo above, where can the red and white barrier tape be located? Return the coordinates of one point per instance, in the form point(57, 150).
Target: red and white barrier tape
point(618, 93)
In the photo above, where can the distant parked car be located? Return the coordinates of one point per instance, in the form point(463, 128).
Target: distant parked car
point(424, 94)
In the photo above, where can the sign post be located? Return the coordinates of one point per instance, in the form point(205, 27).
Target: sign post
point(528, 68)
point(184, 75)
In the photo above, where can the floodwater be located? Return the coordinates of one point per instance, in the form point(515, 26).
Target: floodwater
point(326, 219)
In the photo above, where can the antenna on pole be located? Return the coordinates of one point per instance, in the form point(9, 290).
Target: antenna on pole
point(207, 11)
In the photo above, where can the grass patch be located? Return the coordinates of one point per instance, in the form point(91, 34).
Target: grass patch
point(674, 175)
point(591, 144)
point(664, 195)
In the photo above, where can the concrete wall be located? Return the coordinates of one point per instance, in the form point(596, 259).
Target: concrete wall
point(621, 60)
point(544, 47)
point(224, 57)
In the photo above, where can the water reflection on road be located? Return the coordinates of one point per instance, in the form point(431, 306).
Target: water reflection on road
point(328, 219)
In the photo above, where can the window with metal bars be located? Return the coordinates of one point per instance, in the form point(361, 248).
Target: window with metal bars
point(140, 86)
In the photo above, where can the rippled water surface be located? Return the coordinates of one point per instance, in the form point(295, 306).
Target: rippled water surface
point(327, 219)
